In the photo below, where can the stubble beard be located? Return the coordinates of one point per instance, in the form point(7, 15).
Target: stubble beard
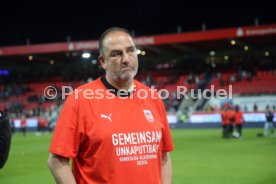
point(126, 75)
point(123, 75)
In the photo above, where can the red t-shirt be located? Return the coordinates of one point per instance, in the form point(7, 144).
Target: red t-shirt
point(238, 118)
point(114, 141)
point(226, 116)
point(224, 119)
point(42, 122)
point(23, 122)
point(230, 115)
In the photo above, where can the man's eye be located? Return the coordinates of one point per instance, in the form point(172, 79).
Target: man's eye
point(115, 54)
point(131, 50)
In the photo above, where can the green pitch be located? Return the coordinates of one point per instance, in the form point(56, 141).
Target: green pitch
point(200, 157)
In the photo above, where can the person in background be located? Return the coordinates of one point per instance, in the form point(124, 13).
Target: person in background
point(23, 125)
point(231, 116)
point(269, 122)
point(43, 123)
point(245, 109)
point(224, 121)
point(255, 107)
point(238, 121)
point(274, 108)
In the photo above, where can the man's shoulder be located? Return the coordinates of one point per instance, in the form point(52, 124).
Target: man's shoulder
point(152, 92)
point(85, 90)
point(140, 85)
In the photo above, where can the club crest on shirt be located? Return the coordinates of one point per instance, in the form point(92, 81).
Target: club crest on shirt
point(149, 115)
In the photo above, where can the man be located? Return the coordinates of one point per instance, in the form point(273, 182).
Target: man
point(23, 124)
point(5, 138)
point(269, 121)
point(113, 137)
point(238, 121)
point(226, 123)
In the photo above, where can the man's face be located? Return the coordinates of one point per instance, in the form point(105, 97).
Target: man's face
point(120, 57)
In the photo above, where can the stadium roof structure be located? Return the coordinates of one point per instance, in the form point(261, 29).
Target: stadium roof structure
point(254, 41)
point(258, 36)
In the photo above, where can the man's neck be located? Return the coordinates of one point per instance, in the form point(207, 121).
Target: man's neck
point(120, 84)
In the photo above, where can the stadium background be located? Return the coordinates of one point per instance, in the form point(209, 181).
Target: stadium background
point(240, 53)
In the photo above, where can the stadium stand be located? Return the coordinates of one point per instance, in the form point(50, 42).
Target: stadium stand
point(171, 61)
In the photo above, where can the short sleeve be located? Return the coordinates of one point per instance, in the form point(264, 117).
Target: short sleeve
point(67, 134)
point(167, 142)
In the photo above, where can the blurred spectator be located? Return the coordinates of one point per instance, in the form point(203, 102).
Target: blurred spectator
point(244, 74)
point(239, 76)
point(269, 121)
point(232, 78)
point(182, 117)
point(231, 116)
point(209, 108)
point(218, 75)
point(42, 124)
point(221, 82)
point(23, 125)
point(52, 118)
point(197, 80)
point(255, 107)
point(238, 121)
point(224, 122)
point(216, 108)
point(249, 76)
point(245, 109)
point(149, 81)
point(190, 78)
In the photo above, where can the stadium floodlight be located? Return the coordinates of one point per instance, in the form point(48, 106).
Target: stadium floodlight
point(212, 53)
point(139, 51)
point(86, 55)
point(30, 57)
point(226, 58)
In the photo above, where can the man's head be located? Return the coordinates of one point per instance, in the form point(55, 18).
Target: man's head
point(118, 55)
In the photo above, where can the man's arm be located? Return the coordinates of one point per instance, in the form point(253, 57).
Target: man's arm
point(166, 168)
point(5, 138)
point(61, 169)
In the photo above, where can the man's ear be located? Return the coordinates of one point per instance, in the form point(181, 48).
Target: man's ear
point(102, 61)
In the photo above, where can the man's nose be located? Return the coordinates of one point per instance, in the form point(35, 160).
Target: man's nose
point(125, 58)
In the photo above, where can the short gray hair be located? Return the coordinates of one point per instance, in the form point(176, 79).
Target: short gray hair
point(106, 32)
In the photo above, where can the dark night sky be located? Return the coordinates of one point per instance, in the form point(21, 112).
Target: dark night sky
point(52, 22)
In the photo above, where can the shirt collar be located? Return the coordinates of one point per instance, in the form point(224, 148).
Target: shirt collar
point(115, 91)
